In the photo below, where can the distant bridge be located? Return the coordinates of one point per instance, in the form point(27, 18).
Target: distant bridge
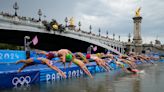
point(154, 48)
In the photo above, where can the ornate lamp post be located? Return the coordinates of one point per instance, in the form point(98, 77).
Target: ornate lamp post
point(66, 21)
point(129, 36)
point(26, 45)
point(79, 25)
point(119, 37)
point(107, 33)
point(113, 36)
point(44, 17)
point(90, 28)
point(16, 7)
point(40, 14)
point(99, 31)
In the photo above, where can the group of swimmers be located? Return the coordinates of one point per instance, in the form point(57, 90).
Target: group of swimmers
point(78, 58)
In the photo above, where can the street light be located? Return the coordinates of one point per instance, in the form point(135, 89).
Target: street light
point(113, 36)
point(99, 31)
point(119, 37)
point(26, 45)
point(129, 36)
point(40, 14)
point(90, 28)
point(79, 25)
point(107, 33)
point(66, 21)
point(16, 7)
point(44, 17)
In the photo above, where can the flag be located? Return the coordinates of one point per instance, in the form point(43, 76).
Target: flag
point(95, 48)
point(35, 40)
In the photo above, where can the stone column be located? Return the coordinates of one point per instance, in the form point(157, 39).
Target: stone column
point(137, 40)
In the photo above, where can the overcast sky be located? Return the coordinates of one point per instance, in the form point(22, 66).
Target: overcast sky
point(112, 15)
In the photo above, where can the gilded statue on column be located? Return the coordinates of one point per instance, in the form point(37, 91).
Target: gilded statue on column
point(138, 12)
point(71, 22)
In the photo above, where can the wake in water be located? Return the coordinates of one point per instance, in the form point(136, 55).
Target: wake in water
point(141, 72)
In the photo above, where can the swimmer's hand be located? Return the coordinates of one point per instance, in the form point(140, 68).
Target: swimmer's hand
point(63, 74)
point(69, 64)
point(17, 62)
point(19, 70)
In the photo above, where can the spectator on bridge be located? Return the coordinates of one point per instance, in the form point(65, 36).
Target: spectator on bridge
point(89, 49)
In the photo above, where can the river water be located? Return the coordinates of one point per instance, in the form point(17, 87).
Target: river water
point(151, 79)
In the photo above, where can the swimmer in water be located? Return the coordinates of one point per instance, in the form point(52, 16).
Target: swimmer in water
point(134, 71)
point(34, 61)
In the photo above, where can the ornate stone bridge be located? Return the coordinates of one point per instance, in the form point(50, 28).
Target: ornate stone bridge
point(16, 23)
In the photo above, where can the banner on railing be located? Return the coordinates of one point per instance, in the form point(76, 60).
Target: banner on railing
point(9, 56)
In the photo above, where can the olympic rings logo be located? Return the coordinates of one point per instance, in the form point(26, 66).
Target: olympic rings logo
point(22, 80)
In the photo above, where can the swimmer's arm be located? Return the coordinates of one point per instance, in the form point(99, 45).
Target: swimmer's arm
point(123, 60)
point(64, 65)
point(70, 52)
point(63, 61)
point(142, 57)
point(83, 57)
point(115, 61)
point(41, 52)
point(63, 58)
point(57, 61)
point(24, 66)
point(54, 52)
point(70, 64)
point(85, 60)
point(52, 66)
